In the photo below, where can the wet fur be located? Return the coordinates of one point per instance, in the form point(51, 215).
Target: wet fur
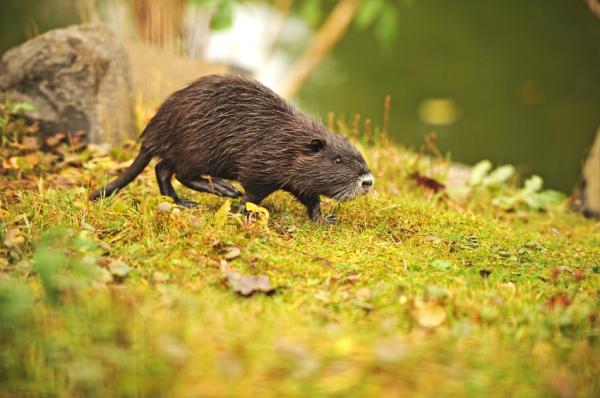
point(229, 127)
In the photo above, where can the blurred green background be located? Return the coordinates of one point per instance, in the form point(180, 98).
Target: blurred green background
point(523, 77)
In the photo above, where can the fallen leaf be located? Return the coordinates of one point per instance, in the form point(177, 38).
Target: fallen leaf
point(427, 182)
point(441, 264)
point(579, 275)
point(14, 238)
point(32, 159)
point(363, 294)
point(558, 300)
point(160, 277)
point(232, 252)
point(262, 214)
point(247, 285)
point(30, 143)
point(221, 214)
point(195, 221)
point(34, 127)
point(119, 268)
point(104, 275)
point(165, 207)
point(429, 314)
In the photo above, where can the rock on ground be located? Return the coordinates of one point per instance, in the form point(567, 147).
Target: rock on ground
point(77, 78)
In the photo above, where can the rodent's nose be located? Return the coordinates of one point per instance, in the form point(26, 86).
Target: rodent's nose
point(367, 182)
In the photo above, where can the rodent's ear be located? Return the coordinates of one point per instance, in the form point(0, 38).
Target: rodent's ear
point(315, 145)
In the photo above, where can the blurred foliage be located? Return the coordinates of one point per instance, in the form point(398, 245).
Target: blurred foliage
point(222, 17)
point(381, 15)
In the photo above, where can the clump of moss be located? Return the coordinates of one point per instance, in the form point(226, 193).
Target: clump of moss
point(412, 293)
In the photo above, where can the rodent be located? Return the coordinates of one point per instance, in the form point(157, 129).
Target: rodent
point(228, 127)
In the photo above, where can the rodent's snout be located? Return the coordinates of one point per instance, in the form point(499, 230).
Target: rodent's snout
point(366, 182)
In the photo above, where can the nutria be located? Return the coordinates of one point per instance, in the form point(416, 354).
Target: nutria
point(228, 127)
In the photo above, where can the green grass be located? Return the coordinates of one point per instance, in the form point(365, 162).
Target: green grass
point(409, 295)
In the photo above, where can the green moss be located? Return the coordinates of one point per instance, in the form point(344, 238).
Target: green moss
point(510, 300)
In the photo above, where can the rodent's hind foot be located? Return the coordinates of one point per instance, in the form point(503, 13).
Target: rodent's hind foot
point(190, 204)
point(222, 188)
point(216, 186)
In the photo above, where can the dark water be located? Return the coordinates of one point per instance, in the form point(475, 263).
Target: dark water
point(524, 74)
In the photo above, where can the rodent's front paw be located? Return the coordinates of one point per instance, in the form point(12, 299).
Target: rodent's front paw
point(329, 219)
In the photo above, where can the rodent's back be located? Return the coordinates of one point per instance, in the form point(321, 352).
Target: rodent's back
point(217, 121)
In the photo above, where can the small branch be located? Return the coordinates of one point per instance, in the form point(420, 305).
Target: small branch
point(323, 42)
point(594, 6)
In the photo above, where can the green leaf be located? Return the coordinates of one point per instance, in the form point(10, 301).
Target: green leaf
point(499, 176)
point(223, 16)
point(368, 12)
point(505, 202)
point(544, 200)
point(532, 185)
point(479, 171)
point(386, 29)
point(441, 264)
point(22, 106)
point(312, 11)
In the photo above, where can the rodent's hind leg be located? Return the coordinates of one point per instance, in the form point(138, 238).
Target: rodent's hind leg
point(215, 186)
point(164, 172)
point(313, 207)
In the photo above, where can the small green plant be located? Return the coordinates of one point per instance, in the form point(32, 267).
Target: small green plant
point(482, 175)
point(531, 195)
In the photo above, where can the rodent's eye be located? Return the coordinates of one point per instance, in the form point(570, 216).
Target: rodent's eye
point(337, 160)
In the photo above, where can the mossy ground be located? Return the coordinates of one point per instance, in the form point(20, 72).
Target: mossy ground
point(409, 295)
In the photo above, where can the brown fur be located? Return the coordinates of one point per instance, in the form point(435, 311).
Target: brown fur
point(228, 127)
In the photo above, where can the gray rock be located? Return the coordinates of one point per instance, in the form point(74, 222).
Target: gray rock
point(77, 78)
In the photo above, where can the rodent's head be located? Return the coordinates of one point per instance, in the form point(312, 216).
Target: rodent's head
point(331, 166)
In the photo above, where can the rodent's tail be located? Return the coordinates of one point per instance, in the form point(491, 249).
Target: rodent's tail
point(138, 165)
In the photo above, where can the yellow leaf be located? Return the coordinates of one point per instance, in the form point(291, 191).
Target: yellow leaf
point(261, 213)
point(221, 214)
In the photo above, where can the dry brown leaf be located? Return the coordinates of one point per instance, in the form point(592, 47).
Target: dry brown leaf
point(34, 127)
point(232, 252)
point(429, 314)
point(30, 143)
point(54, 140)
point(559, 300)
point(246, 285)
point(32, 159)
point(14, 238)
